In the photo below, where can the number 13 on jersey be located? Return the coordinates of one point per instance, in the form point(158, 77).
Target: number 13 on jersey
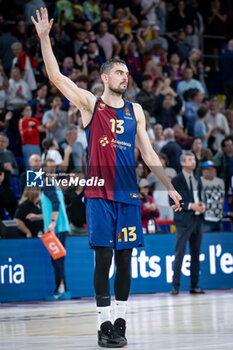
point(129, 234)
point(117, 125)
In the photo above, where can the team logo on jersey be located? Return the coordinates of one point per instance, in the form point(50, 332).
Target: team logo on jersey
point(127, 111)
point(119, 237)
point(102, 105)
point(104, 141)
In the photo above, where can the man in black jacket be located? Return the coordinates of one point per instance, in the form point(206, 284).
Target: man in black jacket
point(188, 222)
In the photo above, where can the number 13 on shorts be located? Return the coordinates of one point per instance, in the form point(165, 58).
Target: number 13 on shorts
point(127, 234)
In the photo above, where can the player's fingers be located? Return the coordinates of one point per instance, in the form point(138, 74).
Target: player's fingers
point(50, 23)
point(33, 20)
point(38, 15)
point(45, 13)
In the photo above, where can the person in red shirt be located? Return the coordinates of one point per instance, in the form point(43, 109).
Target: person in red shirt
point(29, 129)
point(149, 210)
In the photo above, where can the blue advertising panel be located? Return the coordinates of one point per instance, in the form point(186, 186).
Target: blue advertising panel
point(26, 271)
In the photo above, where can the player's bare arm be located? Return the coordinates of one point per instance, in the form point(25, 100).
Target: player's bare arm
point(150, 157)
point(84, 100)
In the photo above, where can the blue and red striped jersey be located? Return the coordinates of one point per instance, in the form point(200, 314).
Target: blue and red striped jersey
point(111, 143)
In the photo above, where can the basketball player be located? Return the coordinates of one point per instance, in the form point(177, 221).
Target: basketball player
point(113, 210)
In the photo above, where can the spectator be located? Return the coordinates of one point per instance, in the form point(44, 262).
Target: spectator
point(148, 10)
point(182, 47)
point(68, 65)
point(227, 72)
point(55, 120)
point(5, 119)
point(4, 85)
point(189, 83)
point(95, 56)
point(77, 45)
point(172, 150)
point(217, 19)
point(213, 191)
point(200, 129)
point(92, 11)
point(139, 171)
point(97, 89)
point(165, 110)
point(64, 11)
point(81, 138)
point(19, 93)
point(55, 220)
point(34, 163)
point(26, 63)
point(9, 167)
point(28, 213)
point(193, 98)
point(181, 16)
point(51, 148)
point(149, 129)
point(133, 59)
point(76, 209)
point(159, 192)
point(219, 124)
point(29, 129)
point(156, 39)
point(107, 41)
point(146, 97)
point(173, 70)
point(125, 16)
point(121, 36)
point(185, 141)
point(149, 210)
point(77, 159)
point(192, 38)
point(224, 161)
point(40, 103)
point(229, 116)
point(196, 149)
point(159, 138)
point(206, 154)
point(6, 54)
point(31, 7)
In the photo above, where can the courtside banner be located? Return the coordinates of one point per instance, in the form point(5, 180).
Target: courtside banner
point(26, 271)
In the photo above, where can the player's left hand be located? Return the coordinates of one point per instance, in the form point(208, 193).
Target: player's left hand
point(177, 199)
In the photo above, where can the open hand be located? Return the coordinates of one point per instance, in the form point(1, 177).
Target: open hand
point(43, 25)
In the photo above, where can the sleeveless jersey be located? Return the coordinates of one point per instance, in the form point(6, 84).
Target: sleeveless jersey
point(111, 142)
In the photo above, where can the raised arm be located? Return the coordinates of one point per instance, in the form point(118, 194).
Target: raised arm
point(84, 100)
point(150, 157)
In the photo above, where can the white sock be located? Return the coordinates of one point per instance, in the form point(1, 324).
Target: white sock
point(120, 309)
point(103, 314)
point(61, 288)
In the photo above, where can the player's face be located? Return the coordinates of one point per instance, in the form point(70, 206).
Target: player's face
point(118, 79)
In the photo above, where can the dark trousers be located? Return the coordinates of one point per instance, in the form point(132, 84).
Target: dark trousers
point(192, 233)
point(59, 264)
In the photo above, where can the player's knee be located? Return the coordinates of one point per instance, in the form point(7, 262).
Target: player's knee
point(123, 259)
point(103, 257)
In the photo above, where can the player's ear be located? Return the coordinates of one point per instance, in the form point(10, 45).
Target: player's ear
point(104, 78)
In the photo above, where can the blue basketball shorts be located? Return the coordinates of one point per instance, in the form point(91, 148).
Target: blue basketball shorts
point(113, 224)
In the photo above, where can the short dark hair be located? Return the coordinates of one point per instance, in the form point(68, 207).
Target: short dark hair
point(202, 111)
point(107, 66)
point(146, 77)
point(223, 143)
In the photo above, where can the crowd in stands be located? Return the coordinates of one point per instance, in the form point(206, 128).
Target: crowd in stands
point(187, 100)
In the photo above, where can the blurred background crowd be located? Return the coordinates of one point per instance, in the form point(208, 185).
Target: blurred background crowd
point(180, 59)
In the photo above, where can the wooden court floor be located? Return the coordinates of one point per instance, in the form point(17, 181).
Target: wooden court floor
point(154, 322)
